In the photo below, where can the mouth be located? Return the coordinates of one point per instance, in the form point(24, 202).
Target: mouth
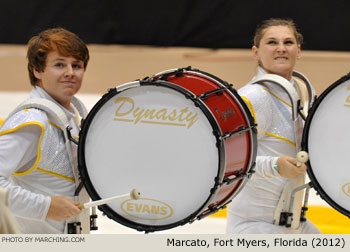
point(68, 82)
point(281, 58)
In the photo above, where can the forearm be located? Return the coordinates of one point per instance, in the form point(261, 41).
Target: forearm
point(25, 203)
point(265, 166)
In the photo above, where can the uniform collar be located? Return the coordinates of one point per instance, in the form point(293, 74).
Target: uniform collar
point(38, 92)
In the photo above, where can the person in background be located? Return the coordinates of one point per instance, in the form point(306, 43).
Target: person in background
point(277, 46)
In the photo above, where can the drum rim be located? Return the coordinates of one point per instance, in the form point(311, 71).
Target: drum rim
point(305, 147)
point(91, 189)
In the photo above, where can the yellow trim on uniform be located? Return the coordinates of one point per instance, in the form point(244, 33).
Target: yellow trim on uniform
point(55, 174)
point(288, 104)
point(250, 106)
point(2, 121)
point(325, 218)
point(282, 138)
point(56, 126)
point(39, 149)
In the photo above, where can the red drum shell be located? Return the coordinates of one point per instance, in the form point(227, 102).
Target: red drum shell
point(231, 115)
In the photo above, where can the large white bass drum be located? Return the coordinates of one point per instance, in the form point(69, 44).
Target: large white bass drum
point(326, 137)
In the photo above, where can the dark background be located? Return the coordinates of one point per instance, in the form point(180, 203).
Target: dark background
point(193, 23)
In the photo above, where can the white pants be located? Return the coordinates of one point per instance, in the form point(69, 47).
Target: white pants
point(237, 225)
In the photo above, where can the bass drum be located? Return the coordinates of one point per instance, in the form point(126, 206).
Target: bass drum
point(326, 137)
point(183, 138)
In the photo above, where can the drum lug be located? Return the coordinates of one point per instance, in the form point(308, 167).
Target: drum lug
point(232, 179)
point(240, 130)
point(218, 91)
point(178, 73)
point(211, 210)
point(251, 171)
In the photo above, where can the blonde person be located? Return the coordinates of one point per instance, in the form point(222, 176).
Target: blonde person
point(38, 166)
point(277, 45)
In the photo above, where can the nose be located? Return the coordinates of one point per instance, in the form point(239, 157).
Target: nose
point(281, 47)
point(69, 70)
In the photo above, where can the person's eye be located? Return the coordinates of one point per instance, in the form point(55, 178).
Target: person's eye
point(77, 66)
point(271, 42)
point(59, 65)
point(289, 42)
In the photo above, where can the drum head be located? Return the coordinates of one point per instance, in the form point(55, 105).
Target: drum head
point(155, 139)
point(326, 138)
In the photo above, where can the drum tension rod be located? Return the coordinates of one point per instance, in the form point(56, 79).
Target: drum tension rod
point(205, 95)
point(240, 130)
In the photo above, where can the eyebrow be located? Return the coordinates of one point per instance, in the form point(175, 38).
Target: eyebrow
point(62, 59)
point(283, 39)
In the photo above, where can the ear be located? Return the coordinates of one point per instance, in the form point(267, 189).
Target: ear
point(255, 53)
point(299, 52)
point(37, 74)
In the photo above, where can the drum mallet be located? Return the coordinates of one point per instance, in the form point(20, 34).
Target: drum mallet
point(134, 194)
point(302, 158)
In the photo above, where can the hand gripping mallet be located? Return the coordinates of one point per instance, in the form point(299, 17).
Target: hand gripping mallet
point(134, 194)
point(302, 158)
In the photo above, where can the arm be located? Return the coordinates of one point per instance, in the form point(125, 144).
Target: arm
point(18, 153)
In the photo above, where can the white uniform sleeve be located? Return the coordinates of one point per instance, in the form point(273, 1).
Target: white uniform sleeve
point(265, 166)
point(18, 152)
point(259, 104)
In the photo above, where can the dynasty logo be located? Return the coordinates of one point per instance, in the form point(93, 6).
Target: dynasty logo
point(347, 102)
point(127, 111)
point(346, 189)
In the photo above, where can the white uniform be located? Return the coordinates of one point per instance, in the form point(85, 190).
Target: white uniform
point(35, 164)
point(252, 210)
point(8, 224)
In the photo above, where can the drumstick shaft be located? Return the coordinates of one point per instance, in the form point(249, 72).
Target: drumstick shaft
point(134, 194)
point(105, 201)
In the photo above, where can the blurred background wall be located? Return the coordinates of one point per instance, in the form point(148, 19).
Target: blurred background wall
point(130, 39)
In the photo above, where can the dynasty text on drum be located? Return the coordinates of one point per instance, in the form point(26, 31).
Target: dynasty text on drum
point(127, 111)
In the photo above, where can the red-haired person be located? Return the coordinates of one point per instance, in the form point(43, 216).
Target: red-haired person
point(38, 166)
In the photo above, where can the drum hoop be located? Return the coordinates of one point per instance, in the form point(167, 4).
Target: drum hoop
point(89, 186)
point(305, 147)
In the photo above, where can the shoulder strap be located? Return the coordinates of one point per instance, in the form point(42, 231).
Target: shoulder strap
point(306, 91)
point(53, 110)
point(284, 84)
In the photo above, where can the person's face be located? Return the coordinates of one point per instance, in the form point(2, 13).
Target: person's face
point(278, 51)
point(61, 78)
